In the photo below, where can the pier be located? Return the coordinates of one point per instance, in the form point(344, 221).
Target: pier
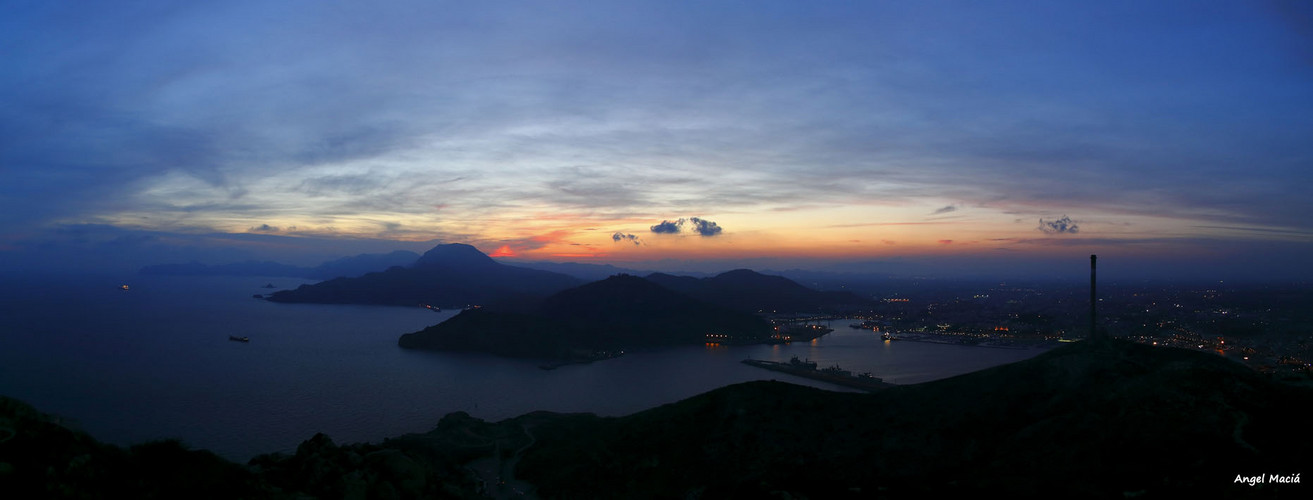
point(833, 375)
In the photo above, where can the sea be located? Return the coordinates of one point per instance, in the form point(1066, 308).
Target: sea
point(155, 361)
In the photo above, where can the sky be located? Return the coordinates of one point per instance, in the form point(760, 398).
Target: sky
point(1174, 137)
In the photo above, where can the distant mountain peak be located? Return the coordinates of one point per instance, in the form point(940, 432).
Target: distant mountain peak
point(741, 271)
point(454, 254)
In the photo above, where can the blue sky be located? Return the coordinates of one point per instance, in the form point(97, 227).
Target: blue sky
point(813, 133)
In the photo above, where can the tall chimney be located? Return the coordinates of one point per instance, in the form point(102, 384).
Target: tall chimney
point(1094, 328)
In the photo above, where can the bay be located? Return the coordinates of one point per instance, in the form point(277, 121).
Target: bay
point(155, 361)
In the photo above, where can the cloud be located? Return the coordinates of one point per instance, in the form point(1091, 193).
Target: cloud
point(619, 237)
point(701, 226)
point(668, 227)
point(947, 209)
point(945, 242)
point(264, 228)
point(705, 227)
point(1061, 226)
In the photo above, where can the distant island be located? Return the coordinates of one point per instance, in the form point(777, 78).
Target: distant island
point(748, 290)
point(592, 321)
point(1094, 419)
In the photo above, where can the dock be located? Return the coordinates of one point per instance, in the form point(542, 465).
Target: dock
point(833, 375)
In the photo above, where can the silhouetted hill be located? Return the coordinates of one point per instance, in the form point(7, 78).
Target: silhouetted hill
point(1090, 420)
point(449, 275)
point(40, 458)
point(636, 311)
point(748, 290)
point(618, 312)
point(586, 272)
point(347, 267)
point(455, 256)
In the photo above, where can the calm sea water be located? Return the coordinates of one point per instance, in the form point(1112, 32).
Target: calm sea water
point(155, 362)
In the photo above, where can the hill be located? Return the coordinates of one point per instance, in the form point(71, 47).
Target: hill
point(748, 290)
point(449, 275)
point(612, 314)
point(1090, 420)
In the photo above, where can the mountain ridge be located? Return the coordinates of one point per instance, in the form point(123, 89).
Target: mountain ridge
point(448, 275)
point(607, 315)
point(752, 291)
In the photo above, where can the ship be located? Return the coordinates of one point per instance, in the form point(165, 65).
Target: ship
point(832, 374)
point(235, 338)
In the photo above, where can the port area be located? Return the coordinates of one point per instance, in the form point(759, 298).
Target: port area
point(833, 374)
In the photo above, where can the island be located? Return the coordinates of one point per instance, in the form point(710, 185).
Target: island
point(593, 321)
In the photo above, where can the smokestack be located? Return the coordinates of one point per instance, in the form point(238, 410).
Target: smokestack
point(1094, 301)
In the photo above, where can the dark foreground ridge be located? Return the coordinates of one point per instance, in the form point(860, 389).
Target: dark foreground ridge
point(1105, 419)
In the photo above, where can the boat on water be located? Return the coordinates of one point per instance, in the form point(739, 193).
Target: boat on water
point(833, 374)
point(123, 287)
point(888, 336)
point(235, 338)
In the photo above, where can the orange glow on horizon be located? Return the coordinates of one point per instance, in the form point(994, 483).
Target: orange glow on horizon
point(503, 251)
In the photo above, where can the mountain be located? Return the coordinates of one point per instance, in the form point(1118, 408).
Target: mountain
point(344, 267)
point(449, 275)
point(631, 310)
point(618, 312)
point(748, 290)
